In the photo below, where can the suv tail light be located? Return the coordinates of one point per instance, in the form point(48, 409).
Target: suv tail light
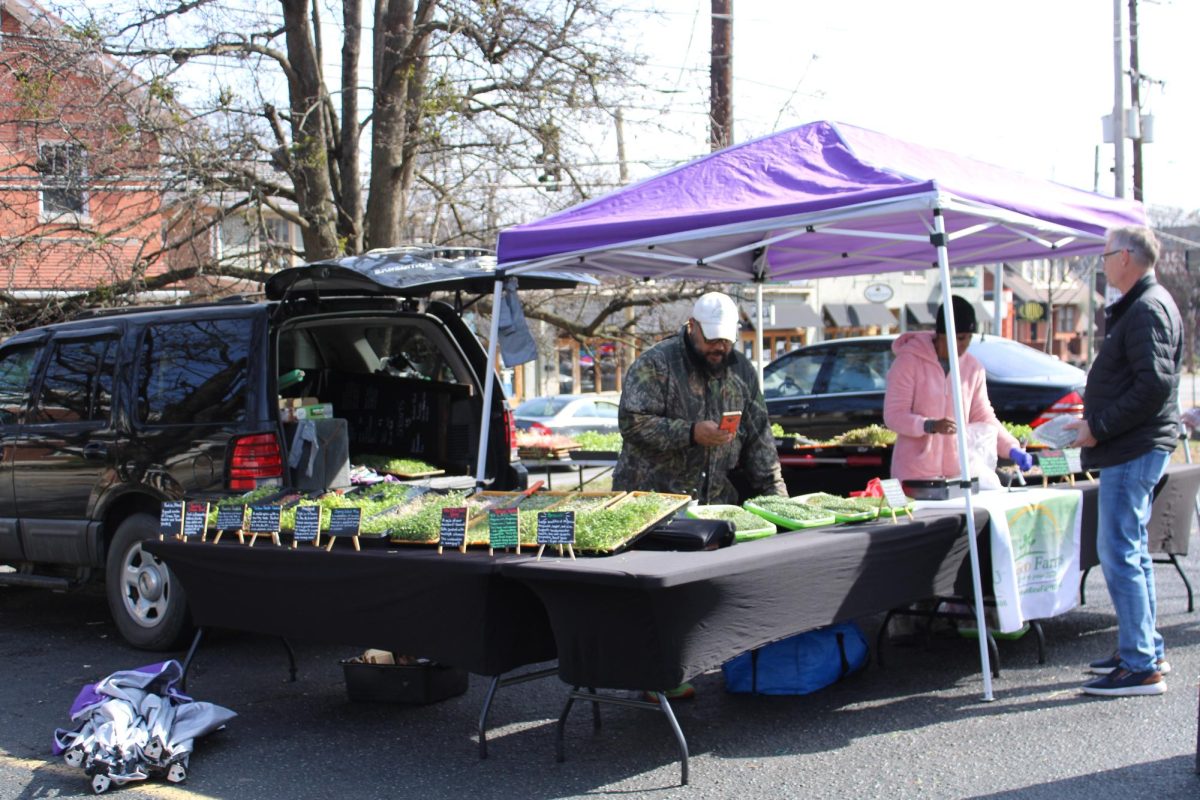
point(255, 458)
point(1071, 403)
point(510, 427)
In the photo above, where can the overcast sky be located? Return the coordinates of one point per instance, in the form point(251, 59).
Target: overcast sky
point(1020, 83)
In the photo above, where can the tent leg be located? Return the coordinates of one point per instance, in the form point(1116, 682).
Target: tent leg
point(938, 239)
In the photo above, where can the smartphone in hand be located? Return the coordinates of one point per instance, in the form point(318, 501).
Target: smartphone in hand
point(730, 420)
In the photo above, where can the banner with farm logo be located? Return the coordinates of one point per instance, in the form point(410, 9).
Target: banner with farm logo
point(1035, 553)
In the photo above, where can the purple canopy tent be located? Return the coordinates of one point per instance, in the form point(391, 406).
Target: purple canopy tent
point(818, 200)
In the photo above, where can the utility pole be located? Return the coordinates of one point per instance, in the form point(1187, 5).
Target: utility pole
point(1135, 80)
point(720, 104)
point(1118, 122)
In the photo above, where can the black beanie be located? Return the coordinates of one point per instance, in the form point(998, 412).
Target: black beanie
point(964, 316)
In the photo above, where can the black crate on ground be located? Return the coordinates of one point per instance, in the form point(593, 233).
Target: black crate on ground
point(421, 683)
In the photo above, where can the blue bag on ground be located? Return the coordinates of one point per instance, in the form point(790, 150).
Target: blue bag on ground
point(799, 664)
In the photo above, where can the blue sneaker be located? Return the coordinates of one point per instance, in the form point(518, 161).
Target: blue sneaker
point(1107, 665)
point(1123, 683)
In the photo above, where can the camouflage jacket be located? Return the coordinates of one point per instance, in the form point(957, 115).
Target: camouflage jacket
point(666, 391)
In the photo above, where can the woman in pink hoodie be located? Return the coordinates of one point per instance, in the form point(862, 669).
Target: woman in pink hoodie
point(919, 403)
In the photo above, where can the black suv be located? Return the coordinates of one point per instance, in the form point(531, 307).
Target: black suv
point(104, 417)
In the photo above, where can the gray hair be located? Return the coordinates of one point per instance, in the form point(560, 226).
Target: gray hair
point(1140, 242)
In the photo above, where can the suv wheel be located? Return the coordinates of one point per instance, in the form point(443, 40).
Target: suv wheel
point(146, 601)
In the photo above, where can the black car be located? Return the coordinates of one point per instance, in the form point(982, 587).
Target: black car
point(825, 389)
point(104, 417)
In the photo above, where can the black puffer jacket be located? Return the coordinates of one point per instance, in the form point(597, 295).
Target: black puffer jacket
point(1131, 403)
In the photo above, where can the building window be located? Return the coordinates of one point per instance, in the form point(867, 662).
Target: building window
point(63, 171)
point(1066, 319)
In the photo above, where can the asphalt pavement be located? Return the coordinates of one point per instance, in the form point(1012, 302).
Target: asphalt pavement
point(917, 727)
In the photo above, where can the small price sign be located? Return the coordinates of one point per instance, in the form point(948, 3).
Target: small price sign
point(307, 527)
point(264, 520)
point(170, 519)
point(195, 520)
point(893, 493)
point(344, 522)
point(453, 530)
point(231, 518)
point(1074, 458)
point(1054, 464)
point(556, 527)
point(503, 529)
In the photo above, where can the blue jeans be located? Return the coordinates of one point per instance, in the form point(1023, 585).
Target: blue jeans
point(1126, 491)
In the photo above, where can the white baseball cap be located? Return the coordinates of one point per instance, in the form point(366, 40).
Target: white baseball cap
point(717, 315)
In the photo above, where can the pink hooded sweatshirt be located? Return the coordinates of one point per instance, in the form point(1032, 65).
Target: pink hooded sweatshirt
point(918, 389)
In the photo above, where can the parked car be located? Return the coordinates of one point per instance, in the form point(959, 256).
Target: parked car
point(825, 389)
point(567, 414)
point(104, 417)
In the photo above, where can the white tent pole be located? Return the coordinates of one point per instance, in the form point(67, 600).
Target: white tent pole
point(489, 380)
point(758, 333)
point(960, 421)
point(997, 298)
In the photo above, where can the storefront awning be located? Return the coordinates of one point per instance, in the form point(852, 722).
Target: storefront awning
point(921, 313)
point(789, 316)
point(866, 315)
point(838, 315)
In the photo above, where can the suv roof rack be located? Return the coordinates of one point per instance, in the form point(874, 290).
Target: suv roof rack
point(92, 313)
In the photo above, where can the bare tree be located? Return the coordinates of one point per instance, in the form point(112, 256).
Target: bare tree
point(461, 93)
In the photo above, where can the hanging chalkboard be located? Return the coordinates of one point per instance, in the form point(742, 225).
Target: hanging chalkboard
point(307, 527)
point(503, 529)
point(170, 519)
point(195, 520)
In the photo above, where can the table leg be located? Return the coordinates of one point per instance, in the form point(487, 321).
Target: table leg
point(1172, 559)
point(495, 684)
point(663, 706)
point(187, 661)
point(291, 659)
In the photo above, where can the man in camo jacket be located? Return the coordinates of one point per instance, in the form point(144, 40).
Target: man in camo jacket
point(671, 407)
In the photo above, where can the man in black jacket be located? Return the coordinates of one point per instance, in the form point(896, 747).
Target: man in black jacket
point(1129, 428)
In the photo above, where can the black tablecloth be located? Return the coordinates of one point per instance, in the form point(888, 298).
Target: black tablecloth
point(1170, 518)
point(650, 620)
point(454, 608)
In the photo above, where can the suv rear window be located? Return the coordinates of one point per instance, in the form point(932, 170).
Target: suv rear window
point(194, 372)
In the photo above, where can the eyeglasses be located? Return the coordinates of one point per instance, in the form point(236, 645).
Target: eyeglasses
point(1114, 252)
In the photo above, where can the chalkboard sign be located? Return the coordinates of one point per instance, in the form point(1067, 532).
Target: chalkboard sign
point(170, 518)
point(308, 524)
point(1054, 463)
point(893, 493)
point(1074, 458)
point(195, 520)
point(453, 531)
point(264, 519)
point(556, 527)
point(503, 530)
point(231, 518)
point(344, 521)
